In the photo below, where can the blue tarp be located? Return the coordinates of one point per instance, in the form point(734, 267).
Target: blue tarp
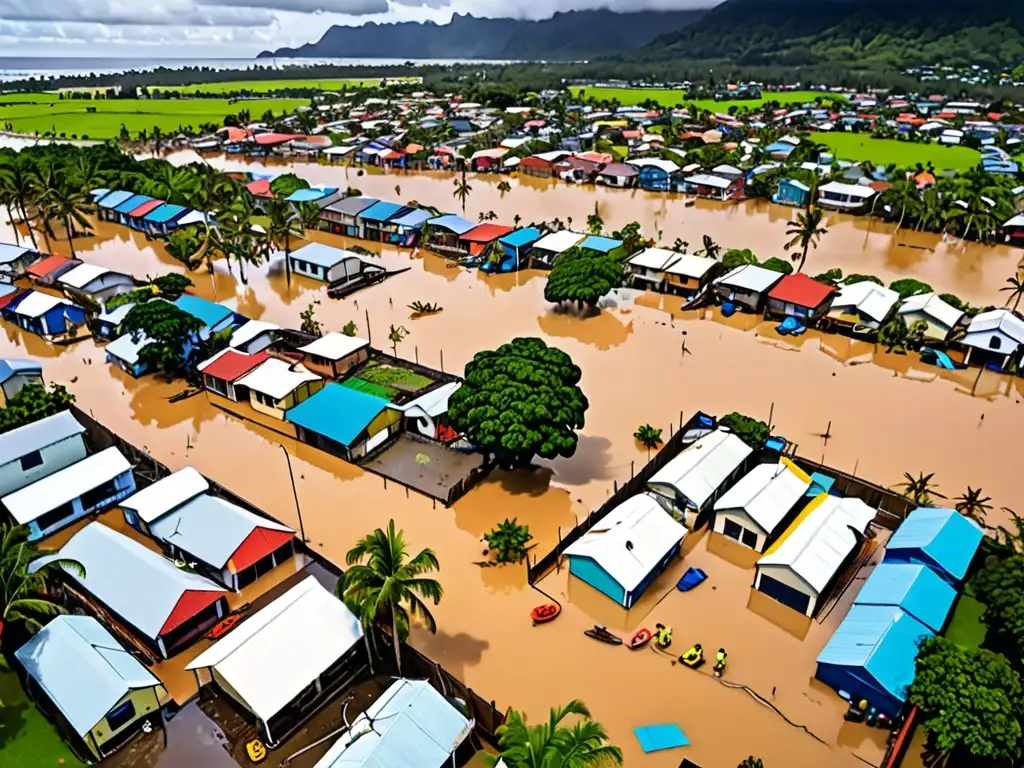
point(657, 737)
point(942, 539)
point(913, 588)
point(337, 412)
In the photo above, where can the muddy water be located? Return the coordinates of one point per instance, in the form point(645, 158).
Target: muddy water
point(884, 421)
point(854, 244)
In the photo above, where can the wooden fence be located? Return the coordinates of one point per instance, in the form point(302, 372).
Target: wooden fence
point(892, 507)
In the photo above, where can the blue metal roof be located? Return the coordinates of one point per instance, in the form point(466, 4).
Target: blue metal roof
point(880, 640)
point(914, 588)
point(452, 223)
point(521, 237)
point(779, 147)
point(309, 195)
point(381, 211)
point(165, 213)
point(337, 412)
point(413, 219)
point(600, 244)
point(211, 314)
point(131, 203)
point(11, 367)
point(944, 536)
point(114, 199)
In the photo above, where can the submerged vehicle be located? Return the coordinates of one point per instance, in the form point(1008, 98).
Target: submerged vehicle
point(600, 632)
point(692, 578)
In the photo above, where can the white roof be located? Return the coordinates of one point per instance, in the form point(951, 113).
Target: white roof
point(1018, 220)
point(690, 265)
point(37, 304)
point(853, 190)
point(334, 346)
point(82, 275)
point(750, 277)
point(701, 468)
point(558, 242)
point(1001, 320)
point(866, 297)
point(249, 331)
point(274, 654)
point(654, 258)
point(433, 403)
point(340, 150)
point(193, 217)
point(707, 180)
point(276, 378)
point(553, 156)
point(933, 306)
point(630, 540)
point(512, 142)
point(126, 348)
point(766, 493)
point(821, 542)
point(666, 165)
point(156, 500)
point(50, 492)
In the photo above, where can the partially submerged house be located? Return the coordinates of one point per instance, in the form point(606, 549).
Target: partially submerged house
point(167, 607)
point(343, 216)
point(747, 286)
point(480, 237)
point(286, 660)
point(445, 232)
point(345, 422)
point(551, 246)
point(274, 386)
point(214, 317)
point(38, 449)
point(941, 539)
point(792, 192)
point(15, 259)
point(427, 415)
point(618, 175)
point(253, 336)
point(801, 297)
point(44, 315)
point(626, 550)
point(221, 540)
point(754, 510)
point(649, 267)
point(914, 589)
point(15, 375)
point(517, 246)
point(56, 500)
point(221, 371)
point(86, 682)
point(98, 283)
point(606, 246)
point(712, 186)
point(326, 263)
point(124, 353)
point(863, 304)
point(940, 317)
point(845, 197)
point(994, 338)
point(688, 274)
point(334, 354)
point(798, 569)
point(374, 223)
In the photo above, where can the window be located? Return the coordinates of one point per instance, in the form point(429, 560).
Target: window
point(100, 494)
point(265, 399)
point(31, 460)
point(120, 717)
point(216, 385)
point(54, 516)
point(995, 342)
point(732, 529)
point(750, 539)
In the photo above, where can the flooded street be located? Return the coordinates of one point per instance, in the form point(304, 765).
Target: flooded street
point(889, 414)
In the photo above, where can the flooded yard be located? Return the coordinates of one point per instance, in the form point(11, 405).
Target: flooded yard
point(885, 415)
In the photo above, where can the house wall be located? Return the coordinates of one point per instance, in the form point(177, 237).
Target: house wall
point(336, 368)
point(794, 310)
point(257, 344)
point(588, 571)
point(220, 386)
point(346, 270)
point(55, 457)
point(14, 385)
point(132, 369)
point(752, 300)
point(124, 486)
point(300, 267)
point(683, 285)
point(936, 331)
point(292, 399)
point(742, 519)
point(860, 685)
point(786, 576)
point(107, 285)
point(656, 571)
point(145, 701)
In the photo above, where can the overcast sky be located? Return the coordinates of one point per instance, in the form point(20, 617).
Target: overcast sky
point(236, 28)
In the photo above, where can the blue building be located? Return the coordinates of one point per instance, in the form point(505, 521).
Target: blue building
point(654, 179)
point(871, 656)
point(623, 553)
point(517, 246)
point(215, 318)
point(409, 224)
point(344, 421)
point(106, 205)
point(374, 223)
point(44, 315)
point(942, 539)
point(792, 192)
point(915, 589)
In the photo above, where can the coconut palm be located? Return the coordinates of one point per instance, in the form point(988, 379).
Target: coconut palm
point(973, 505)
point(805, 232)
point(462, 190)
point(283, 224)
point(1015, 287)
point(16, 178)
point(550, 744)
point(390, 586)
point(649, 437)
point(905, 197)
point(919, 489)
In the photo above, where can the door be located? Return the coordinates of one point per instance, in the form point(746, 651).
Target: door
point(785, 594)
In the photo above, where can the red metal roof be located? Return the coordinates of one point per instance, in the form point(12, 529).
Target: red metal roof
point(801, 290)
point(486, 233)
point(5, 300)
point(260, 188)
point(145, 208)
point(257, 545)
point(234, 365)
point(269, 139)
point(189, 604)
point(43, 267)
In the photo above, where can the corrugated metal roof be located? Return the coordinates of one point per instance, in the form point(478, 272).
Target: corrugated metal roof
point(115, 198)
point(11, 367)
point(930, 304)
point(750, 277)
point(521, 237)
point(325, 256)
point(82, 668)
point(868, 298)
point(413, 219)
point(127, 347)
point(559, 242)
point(601, 244)
point(452, 223)
point(381, 211)
point(334, 346)
point(944, 535)
point(131, 203)
point(338, 412)
point(352, 206)
point(701, 468)
point(156, 500)
point(165, 213)
point(412, 725)
point(10, 252)
point(914, 588)
point(209, 313)
point(246, 332)
point(767, 494)
point(230, 364)
point(277, 378)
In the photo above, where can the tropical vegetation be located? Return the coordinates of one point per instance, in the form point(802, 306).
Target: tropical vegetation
point(32, 403)
point(509, 540)
point(552, 743)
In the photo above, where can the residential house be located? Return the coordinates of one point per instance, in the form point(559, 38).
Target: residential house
point(16, 259)
point(792, 192)
point(48, 269)
point(167, 607)
point(798, 569)
point(17, 374)
point(55, 501)
point(98, 283)
point(108, 321)
point(648, 268)
point(123, 352)
point(626, 550)
point(801, 297)
point(863, 304)
point(33, 451)
point(1013, 229)
point(136, 218)
point(688, 274)
point(753, 510)
point(408, 225)
point(620, 175)
point(541, 165)
point(410, 718)
point(551, 246)
point(274, 386)
point(712, 186)
point(993, 339)
point(342, 216)
point(940, 317)
point(374, 223)
point(164, 219)
point(226, 543)
point(488, 160)
point(285, 661)
point(253, 336)
point(326, 263)
point(845, 197)
point(941, 539)
point(334, 354)
point(517, 246)
point(345, 422)
point(215, 317)
point(445, 233)
point(221, 371)
point(84, 680)
point(914, 589)
point(654, 174)
point(427, 415)
point(131, 203)
point(479, 238)
point(747, 286)
point(44, 315)
point(106, 206)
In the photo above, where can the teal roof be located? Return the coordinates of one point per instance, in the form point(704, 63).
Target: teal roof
point(310, 195)
point(521, 237)
point(914, 588)
point(165, 213)
point(942, 536)
point(337, 412)
point(211, 314)
point(601, 244)
point(131, 203)
point(381, 211)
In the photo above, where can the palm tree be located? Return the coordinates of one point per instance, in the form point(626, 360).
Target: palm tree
point(919, 489)
point(549, 744)
point(904, 196)
point(396, 336)
point(24, 590)
point(462, 190)
point(972, 505)
point(16, 178)
point(649, 437)
point(283, 225)
point(805, 232)
point(390, 586)
point(503, 187)
point(1015, 287)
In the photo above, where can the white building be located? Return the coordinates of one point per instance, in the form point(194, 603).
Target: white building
point(747, 286)
point(752, 510)
point(940, 317)
point(993, 337)
point(39, 449)
point(253, 336)
point(863, 303)
point(98, 282)
point(649, 267)
point(835, 194)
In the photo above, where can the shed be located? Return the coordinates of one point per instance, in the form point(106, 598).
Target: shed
point(49, 268)
point(411, 723)
point(275, 386)
point(335, 354)
point(791, 191)
point(799, 567)
point(942, 539)
point(102, 693)
point(993, 338)
point(940, 317)
point(15, 375)
point(38, 449)
point(747, 286)
point(872, 656)
point(164, 219)
point(169, 608)
point(221, 371)
point(427, 414)
point(915, 589)
point(693, 480)
point(57, 500)
point(284, 661)
point(97, 282)
point(754, 509)
point(344, 421)
point(625, 551)
point(326, 263)
point(688, 275)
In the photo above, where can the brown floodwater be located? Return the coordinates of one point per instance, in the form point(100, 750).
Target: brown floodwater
point(888, 415)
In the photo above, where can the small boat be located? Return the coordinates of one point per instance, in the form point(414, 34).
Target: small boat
point(601, 633)
point(222, 627)
point(692, 578)
point(640, 639)
point(545, 613)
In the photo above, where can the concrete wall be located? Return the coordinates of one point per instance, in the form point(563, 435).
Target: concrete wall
point(55, 457)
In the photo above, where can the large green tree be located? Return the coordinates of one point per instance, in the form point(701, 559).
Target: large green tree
point(32, 403)
point(287, 184)
point(551, 744)
point(582, 277)
point(520, 401)
point(173, 334)
point(971, 701)
point(1000, 587)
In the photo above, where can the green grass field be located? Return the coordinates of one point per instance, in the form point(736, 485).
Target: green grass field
point(858, 146)
point(966, 628)
point(669, 98)
point(26, 737)
point(265, 86)
point(69, 116)
point(25, 98)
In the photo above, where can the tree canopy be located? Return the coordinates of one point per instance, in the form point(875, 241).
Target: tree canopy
point(582, 277)
point(32, 403)
point(520, 401)
point(286, 184)
point(751, 431)
point(1000, 586)
point(550, 743)
point(173, 334)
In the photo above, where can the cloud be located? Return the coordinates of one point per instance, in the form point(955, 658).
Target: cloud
point(171, 13)
point(346, 7)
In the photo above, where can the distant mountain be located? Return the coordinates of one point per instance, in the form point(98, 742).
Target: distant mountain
point(897, 33)
point(566, 36)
